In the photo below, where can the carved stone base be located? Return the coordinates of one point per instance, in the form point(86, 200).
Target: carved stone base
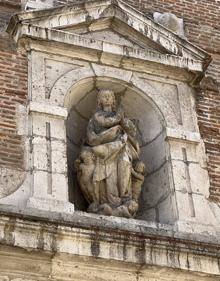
point(126, 210)
point(50, 205)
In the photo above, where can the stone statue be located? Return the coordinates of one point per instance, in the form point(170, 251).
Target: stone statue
point(109, 171)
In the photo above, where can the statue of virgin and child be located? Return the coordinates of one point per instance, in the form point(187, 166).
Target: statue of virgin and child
point(109, 171)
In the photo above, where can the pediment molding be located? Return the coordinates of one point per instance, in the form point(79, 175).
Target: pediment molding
point(152, 41)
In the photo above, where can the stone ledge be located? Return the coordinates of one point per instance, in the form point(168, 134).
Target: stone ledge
point(181, 135)
point(115, 224)
point(143, 244)
point(43, 108)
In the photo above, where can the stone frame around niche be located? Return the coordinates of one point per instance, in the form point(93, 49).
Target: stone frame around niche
point(47, 119)
point(61, 62)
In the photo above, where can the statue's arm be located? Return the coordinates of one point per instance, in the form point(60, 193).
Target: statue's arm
point(92, 138)
point(137, 175)
point(104, 137)
point(108, 122)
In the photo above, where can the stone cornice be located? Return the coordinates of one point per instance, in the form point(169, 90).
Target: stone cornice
point(62, 37)
point(108, 238)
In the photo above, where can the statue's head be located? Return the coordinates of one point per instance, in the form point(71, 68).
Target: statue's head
point(87, 155)
point(140, 167)
point(106, 97)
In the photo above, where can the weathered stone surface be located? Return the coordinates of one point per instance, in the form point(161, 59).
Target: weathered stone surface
point(171, 22)
point(66, 71)
point(74, 52)
point(36, 4)
point(65, 250)
point(10, 181)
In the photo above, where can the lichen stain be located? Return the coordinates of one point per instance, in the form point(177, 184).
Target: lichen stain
point(40, 239)
point(9, 228)
point(53, 242)
point(95, 248)
point(95, 245)
point(171, 258)
point(140, 253)
point(124, 252)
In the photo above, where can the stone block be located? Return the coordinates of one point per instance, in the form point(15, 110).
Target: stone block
point(60, 187)
point(58, 157)
point(183, 206)
point(169, 88)
point(40, 183)
point(110, 59)
point(187, 107)
point(37, 77)
point(203, 212)
point(50, 205)
point(171, 22)
point(37, 4)
point(179, 176)
point(39, 125)
point(40, 153)
point(111, 72)
point(55, 68)
point(199, 179)
point(62, 88)
point(48, 109)
point(57, 127)
point(113, 48)
point(183, 135)
point(176, 150)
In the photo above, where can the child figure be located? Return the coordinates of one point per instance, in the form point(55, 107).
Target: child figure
point(85, 167)
point(138, 174)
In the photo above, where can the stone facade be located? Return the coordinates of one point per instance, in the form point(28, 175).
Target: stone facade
point(68, 54)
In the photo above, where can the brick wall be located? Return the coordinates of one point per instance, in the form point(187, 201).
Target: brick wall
point(202, 26)
point(13, 91)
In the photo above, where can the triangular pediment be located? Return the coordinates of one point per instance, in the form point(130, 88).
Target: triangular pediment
point(107, 21)
point(114, 31)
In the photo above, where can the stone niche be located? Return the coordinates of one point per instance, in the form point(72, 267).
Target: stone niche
point(151, 136)
point(73, 52)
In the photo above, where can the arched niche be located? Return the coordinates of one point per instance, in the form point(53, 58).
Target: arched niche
point(156, 202)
